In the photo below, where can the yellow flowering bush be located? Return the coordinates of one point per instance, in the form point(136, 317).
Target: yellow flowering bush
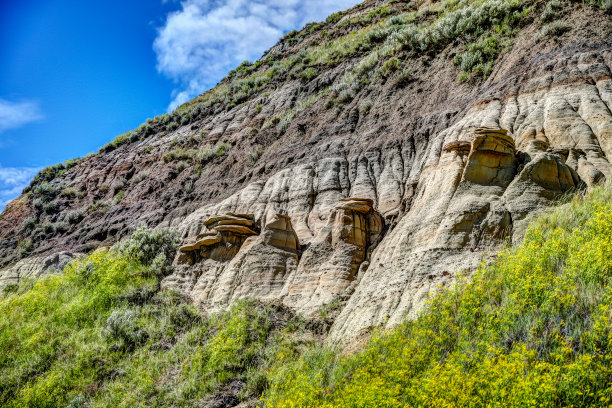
point(533, 329)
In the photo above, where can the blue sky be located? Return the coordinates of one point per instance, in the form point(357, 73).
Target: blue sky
point(75, 74)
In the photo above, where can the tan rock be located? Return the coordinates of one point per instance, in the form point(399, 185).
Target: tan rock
point(257, 268)
point(235, 229)
point(451, 196)
point(330, 264)
point(204, 241)
point(228, 220)
point(279, 233)
point(458, 145)
point(34, 268)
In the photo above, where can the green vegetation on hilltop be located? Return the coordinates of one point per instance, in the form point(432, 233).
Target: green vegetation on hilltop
point(380, 43)
point(398, 31)
point(534, 329)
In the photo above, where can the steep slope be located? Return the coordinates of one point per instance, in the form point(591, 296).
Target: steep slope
point(364, 160)
point(532, 329)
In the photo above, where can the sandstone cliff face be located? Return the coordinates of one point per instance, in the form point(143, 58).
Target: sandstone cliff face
point(375, 208)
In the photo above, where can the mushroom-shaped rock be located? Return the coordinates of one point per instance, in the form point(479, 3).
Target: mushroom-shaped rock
point(489, 130)
point(236, 229)
point(332, 261)
point(247, 216)
point(461, 146)
point(204, 240)
point(213, 222)
point(259, 270)
point(361, 205)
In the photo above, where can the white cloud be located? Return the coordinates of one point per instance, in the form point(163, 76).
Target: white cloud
point(16, 114)
point(200, 43)
point(12, 181)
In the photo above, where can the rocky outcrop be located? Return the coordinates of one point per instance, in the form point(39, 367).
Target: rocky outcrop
point(273, 264)
point(335, 256)
point(34, 268)
point(230, 260)
point(468, 202)
point(211, 250)
point(258, 271)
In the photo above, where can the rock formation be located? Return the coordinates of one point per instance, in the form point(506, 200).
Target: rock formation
point(32, 268)
point(335, 256)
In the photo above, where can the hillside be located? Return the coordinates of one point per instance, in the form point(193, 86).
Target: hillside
point(534, 329)
point(363, 164)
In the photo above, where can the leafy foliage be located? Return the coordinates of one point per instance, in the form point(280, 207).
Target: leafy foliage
point(103, 334)
point(148, 247)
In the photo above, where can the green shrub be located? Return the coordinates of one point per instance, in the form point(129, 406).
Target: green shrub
point(120, 140)
point(121, 326)
point(75, 216)
point(554, 29)
point(29, 224)
point(9, 289)
point(50, 207)
point(403, 78)
point(119, 196)
point(395, 20)
point(70, 163)
point(188, 186)
point(334, 18)
point(60, 226)
point(68, 193)
point(391, 65)
point(151, 247)
point(283, 125)
point(48, 228)
point(254, 154)
point(208, 152)
point(118, 184)
point(479, 57)
point(365, 107)
point(178, 154)
point(46, 175)
point(550, 11)
point(24, 247)
point(99, 206)
point(309, 73)
point(141, 176)
point(44, 189)
point(182, 165)
point(38, 203)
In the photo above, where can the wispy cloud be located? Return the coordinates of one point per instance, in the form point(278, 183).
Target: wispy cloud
point(12, 181)
point(200, 43)
point(17, 114)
